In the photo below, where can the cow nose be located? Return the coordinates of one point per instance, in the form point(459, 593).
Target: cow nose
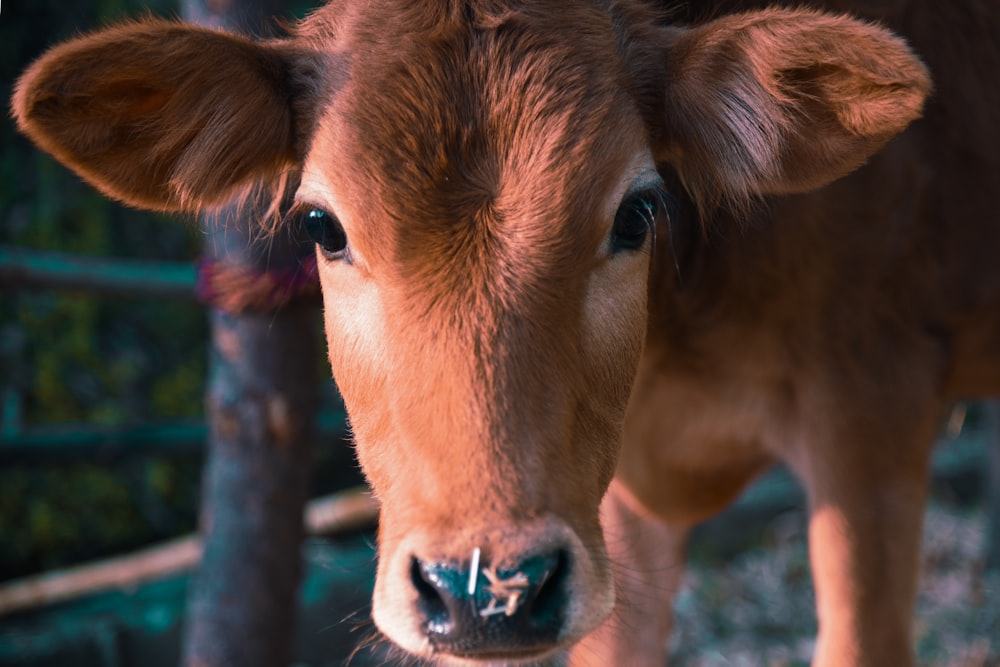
point(482, 612)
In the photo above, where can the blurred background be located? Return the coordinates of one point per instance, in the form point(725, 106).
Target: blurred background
point(82, 358)
point(79, 366)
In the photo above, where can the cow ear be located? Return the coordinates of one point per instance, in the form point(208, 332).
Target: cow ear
point(780, 101)
point(162, 115)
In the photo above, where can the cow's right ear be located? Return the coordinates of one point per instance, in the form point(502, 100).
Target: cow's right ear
point(163, 115)
point(775, 101)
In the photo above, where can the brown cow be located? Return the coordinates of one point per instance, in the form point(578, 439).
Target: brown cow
point(527, 212)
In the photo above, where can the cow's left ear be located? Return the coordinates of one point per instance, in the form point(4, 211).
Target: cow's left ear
point(776, 101)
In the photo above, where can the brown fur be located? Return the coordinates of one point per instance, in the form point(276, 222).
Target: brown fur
point(501, 365)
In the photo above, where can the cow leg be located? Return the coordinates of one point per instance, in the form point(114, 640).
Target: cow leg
point(866, 515)
point(647, 557)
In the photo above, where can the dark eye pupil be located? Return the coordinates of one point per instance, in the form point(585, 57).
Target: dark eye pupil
point(326, 231)
point(635, 217)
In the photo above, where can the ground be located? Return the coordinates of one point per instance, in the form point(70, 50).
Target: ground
point(757, 610)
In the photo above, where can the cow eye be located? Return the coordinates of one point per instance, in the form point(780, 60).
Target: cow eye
point(635, 217)
point(326, 231)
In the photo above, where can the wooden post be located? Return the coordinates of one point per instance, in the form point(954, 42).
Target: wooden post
point(261, 399)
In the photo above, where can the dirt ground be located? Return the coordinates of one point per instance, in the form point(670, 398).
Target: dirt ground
point(758, 610)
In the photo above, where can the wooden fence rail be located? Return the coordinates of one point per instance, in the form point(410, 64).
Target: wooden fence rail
point(22, 268)
point(70, 443)
point(347, 510)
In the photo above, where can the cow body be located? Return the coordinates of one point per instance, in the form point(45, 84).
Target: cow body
point(583, 245)
point(814, 340)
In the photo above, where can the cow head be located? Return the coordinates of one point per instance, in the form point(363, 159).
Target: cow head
point(483, 184)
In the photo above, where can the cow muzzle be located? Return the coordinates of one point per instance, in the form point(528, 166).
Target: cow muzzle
point(520, 596)
point(481, 611)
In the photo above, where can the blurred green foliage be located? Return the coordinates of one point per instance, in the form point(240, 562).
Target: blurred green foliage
point(82, 358)
point(69, 357)
point(54, 517)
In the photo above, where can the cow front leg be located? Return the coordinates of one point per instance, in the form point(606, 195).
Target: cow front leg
point(647, 558)
point(866, 517)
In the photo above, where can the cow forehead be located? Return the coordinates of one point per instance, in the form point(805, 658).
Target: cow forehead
point(502, 134)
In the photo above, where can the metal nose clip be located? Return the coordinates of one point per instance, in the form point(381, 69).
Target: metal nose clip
point(474, 571)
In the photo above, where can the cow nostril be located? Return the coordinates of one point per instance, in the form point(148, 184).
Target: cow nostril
point(549, 601)
point(490, 611)
point(431, 604)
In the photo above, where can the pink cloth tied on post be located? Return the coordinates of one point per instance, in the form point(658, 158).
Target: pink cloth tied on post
point(236, 289)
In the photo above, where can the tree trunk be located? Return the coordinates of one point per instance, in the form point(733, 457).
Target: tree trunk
point(261, 400)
